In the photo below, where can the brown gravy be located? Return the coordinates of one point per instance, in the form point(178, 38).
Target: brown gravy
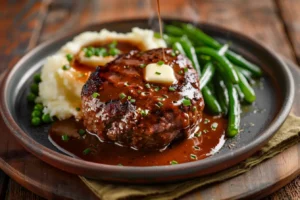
point(198, 147)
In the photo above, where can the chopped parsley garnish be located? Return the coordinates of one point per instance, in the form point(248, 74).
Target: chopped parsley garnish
point(185, 69)
point(144, 112)
point(157, 73)
point(86, 151)
point(122, 96)
point(142, 65)
point(81, 132)
point(65, 137)
point(193, 156)
point(186, 102)
point(69, 57)
point(147, 85)
point(160, 62)
point(172, 89)
point(78, 109)
point(173, 162)
point(95, 94)
point(66, 67)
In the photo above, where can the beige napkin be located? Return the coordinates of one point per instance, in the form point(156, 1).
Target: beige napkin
point(287, 136)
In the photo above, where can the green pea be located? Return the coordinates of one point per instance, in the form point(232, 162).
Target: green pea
point(34, 88)
point(36, 113)
point(31, 97)
point(37, 78)
point(36, 121)
point(46, 118)
point(38, 106)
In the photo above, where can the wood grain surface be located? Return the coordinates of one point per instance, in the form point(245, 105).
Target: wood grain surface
point(25, 23)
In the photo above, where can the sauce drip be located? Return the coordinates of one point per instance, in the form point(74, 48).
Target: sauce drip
point(160, 24)
point(203, 144)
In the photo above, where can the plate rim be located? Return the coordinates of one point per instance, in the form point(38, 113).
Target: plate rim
point(153, 172)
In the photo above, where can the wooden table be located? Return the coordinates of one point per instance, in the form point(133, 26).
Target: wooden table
point(26, 23)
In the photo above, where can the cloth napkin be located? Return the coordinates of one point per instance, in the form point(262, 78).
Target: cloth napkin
point(287, 136)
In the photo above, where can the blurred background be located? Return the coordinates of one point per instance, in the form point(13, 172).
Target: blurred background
point(26, 23)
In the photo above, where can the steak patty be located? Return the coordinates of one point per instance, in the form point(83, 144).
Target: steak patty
point(120, 106)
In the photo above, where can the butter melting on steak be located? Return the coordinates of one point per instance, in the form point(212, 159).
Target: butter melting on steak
point(121, 107)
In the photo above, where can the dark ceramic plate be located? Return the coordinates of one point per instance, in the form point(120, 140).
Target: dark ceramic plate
point(274, 100)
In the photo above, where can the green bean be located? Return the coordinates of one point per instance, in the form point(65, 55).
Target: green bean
point(246, 89)
point(234, 117)
point(207, 74)
point(240, 93)
point(196, 34)
point(222, 94)
point(246, 73)
point(190, 53)
point(173, 30)
point(227, 67)
point(177, 46)
point(242, 62)
point(210, 101)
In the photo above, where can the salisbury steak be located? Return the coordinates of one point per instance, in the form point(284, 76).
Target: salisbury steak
point(120, 106)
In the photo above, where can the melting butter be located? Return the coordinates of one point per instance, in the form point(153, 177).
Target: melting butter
point(155, 73)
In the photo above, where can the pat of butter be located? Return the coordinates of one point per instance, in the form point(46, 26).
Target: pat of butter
point(94, 61)
point(155, 73)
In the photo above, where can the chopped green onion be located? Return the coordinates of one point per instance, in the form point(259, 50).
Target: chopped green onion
point(160, 99)
point(69, 57)
point(159, 104)
point(132, 100)
point(173, 54)
point(81, 132)
point(160, 62)
point(86, 151)
point(95, 94)
point(186, 102)
point(129, 97)
point(156, 89)
point(157, 73)
point(65, 137)
point(194, 108)
point(173, 162)
point(120, 164)
point(66, 67)
point(166, 96)
point(185, 69)
point(88, 53)
point(147, 85)
point(78, 109)
point(144, 113)
point(114, 51)
point(196, 148)
point(113, 44)
point(142, 65)
point(214, 126)
point(198, 134)
point(126, 84)
point(206, 121)
point(172, 89)
point(193, 156)
point(122, 96)
point(180, 72)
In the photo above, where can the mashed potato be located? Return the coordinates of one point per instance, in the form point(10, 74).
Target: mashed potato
point(60, 89)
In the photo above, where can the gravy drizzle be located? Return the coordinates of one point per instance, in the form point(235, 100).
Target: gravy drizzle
point(160, 24)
